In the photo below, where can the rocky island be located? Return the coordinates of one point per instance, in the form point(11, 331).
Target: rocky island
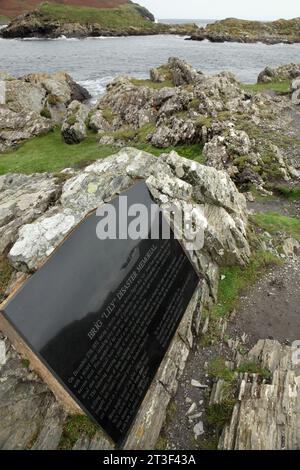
point(93, 18)
point(197, 140)
point(236, 30)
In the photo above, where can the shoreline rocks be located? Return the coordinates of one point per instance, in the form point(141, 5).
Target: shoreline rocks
point(34, 104)
point(243, 31)
point(267, 413)
point(37, 25)
point(187, 108)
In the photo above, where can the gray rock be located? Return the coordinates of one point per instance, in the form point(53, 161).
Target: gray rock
point(18, 126)
point(291, 247)
point(176, 131)
point(267, 413)
point(2, 353)
point(182, 72)
point(22, 200)
point(74, 129)
point(98, 123)
point(284, 72)
point(26, 408)
point(296, 84)
point(34, 104)
point(98, 442)
point(198, 429)
point(224, 207)
point(157, 76)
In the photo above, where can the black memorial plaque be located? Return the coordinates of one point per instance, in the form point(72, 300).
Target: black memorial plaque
point(101, 314)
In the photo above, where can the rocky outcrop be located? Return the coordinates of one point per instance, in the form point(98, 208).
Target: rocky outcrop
point(22, 199)
point(31, 418)
point(267, 414)
point(45, 22)
point(279, 74)
point(34, 104)
point(101, 180)
point(74, 128)
point(190, 108)
point(16, 127)
point(28, 410)
point(235, 30)
point(199, 190)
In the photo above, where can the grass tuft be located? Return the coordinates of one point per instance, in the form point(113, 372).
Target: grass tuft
point(74, 427)
point(121, 17)
point(219, 414)
point(49, 153)
point(273, 222)
point(5, 275)
point(239, 278)
point(282, 87)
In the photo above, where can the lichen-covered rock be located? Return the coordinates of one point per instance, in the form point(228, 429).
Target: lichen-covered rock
point(16, 127)
point(34, 104)
point(23, 96)
point(267, 414)
point(176, 131)
point(198, 109)
point(182, 72)
point(128, 102)
point(98, 123)
point(29, 413)
point(22, 200)
point(74, 128)
point(284, 72)
point(245, 31)
point(226, 241)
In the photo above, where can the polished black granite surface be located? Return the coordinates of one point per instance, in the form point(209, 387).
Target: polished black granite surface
point(101, 314)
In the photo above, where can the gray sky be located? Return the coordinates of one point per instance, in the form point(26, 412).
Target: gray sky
point(219, 9)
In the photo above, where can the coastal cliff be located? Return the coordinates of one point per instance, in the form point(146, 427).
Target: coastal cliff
point(236, 30)
point(52, 20)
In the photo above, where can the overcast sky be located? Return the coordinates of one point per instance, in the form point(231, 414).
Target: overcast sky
point(218, 9)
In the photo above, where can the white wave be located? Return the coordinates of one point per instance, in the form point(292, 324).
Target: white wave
point(96, 87)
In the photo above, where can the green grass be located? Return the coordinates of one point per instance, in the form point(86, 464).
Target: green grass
point(273, 222)
point(217, 368)
point(282, 87)
point(119, 18)
point(4, 19)
point(238, 278)
point(74, 427)
point(219, 414)
point(191, 152)
point(289, 193)
point(50, 154)
point(252, 367)
point(5, 276)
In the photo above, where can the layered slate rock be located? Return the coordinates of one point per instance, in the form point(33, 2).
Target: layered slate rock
point(267, 415)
